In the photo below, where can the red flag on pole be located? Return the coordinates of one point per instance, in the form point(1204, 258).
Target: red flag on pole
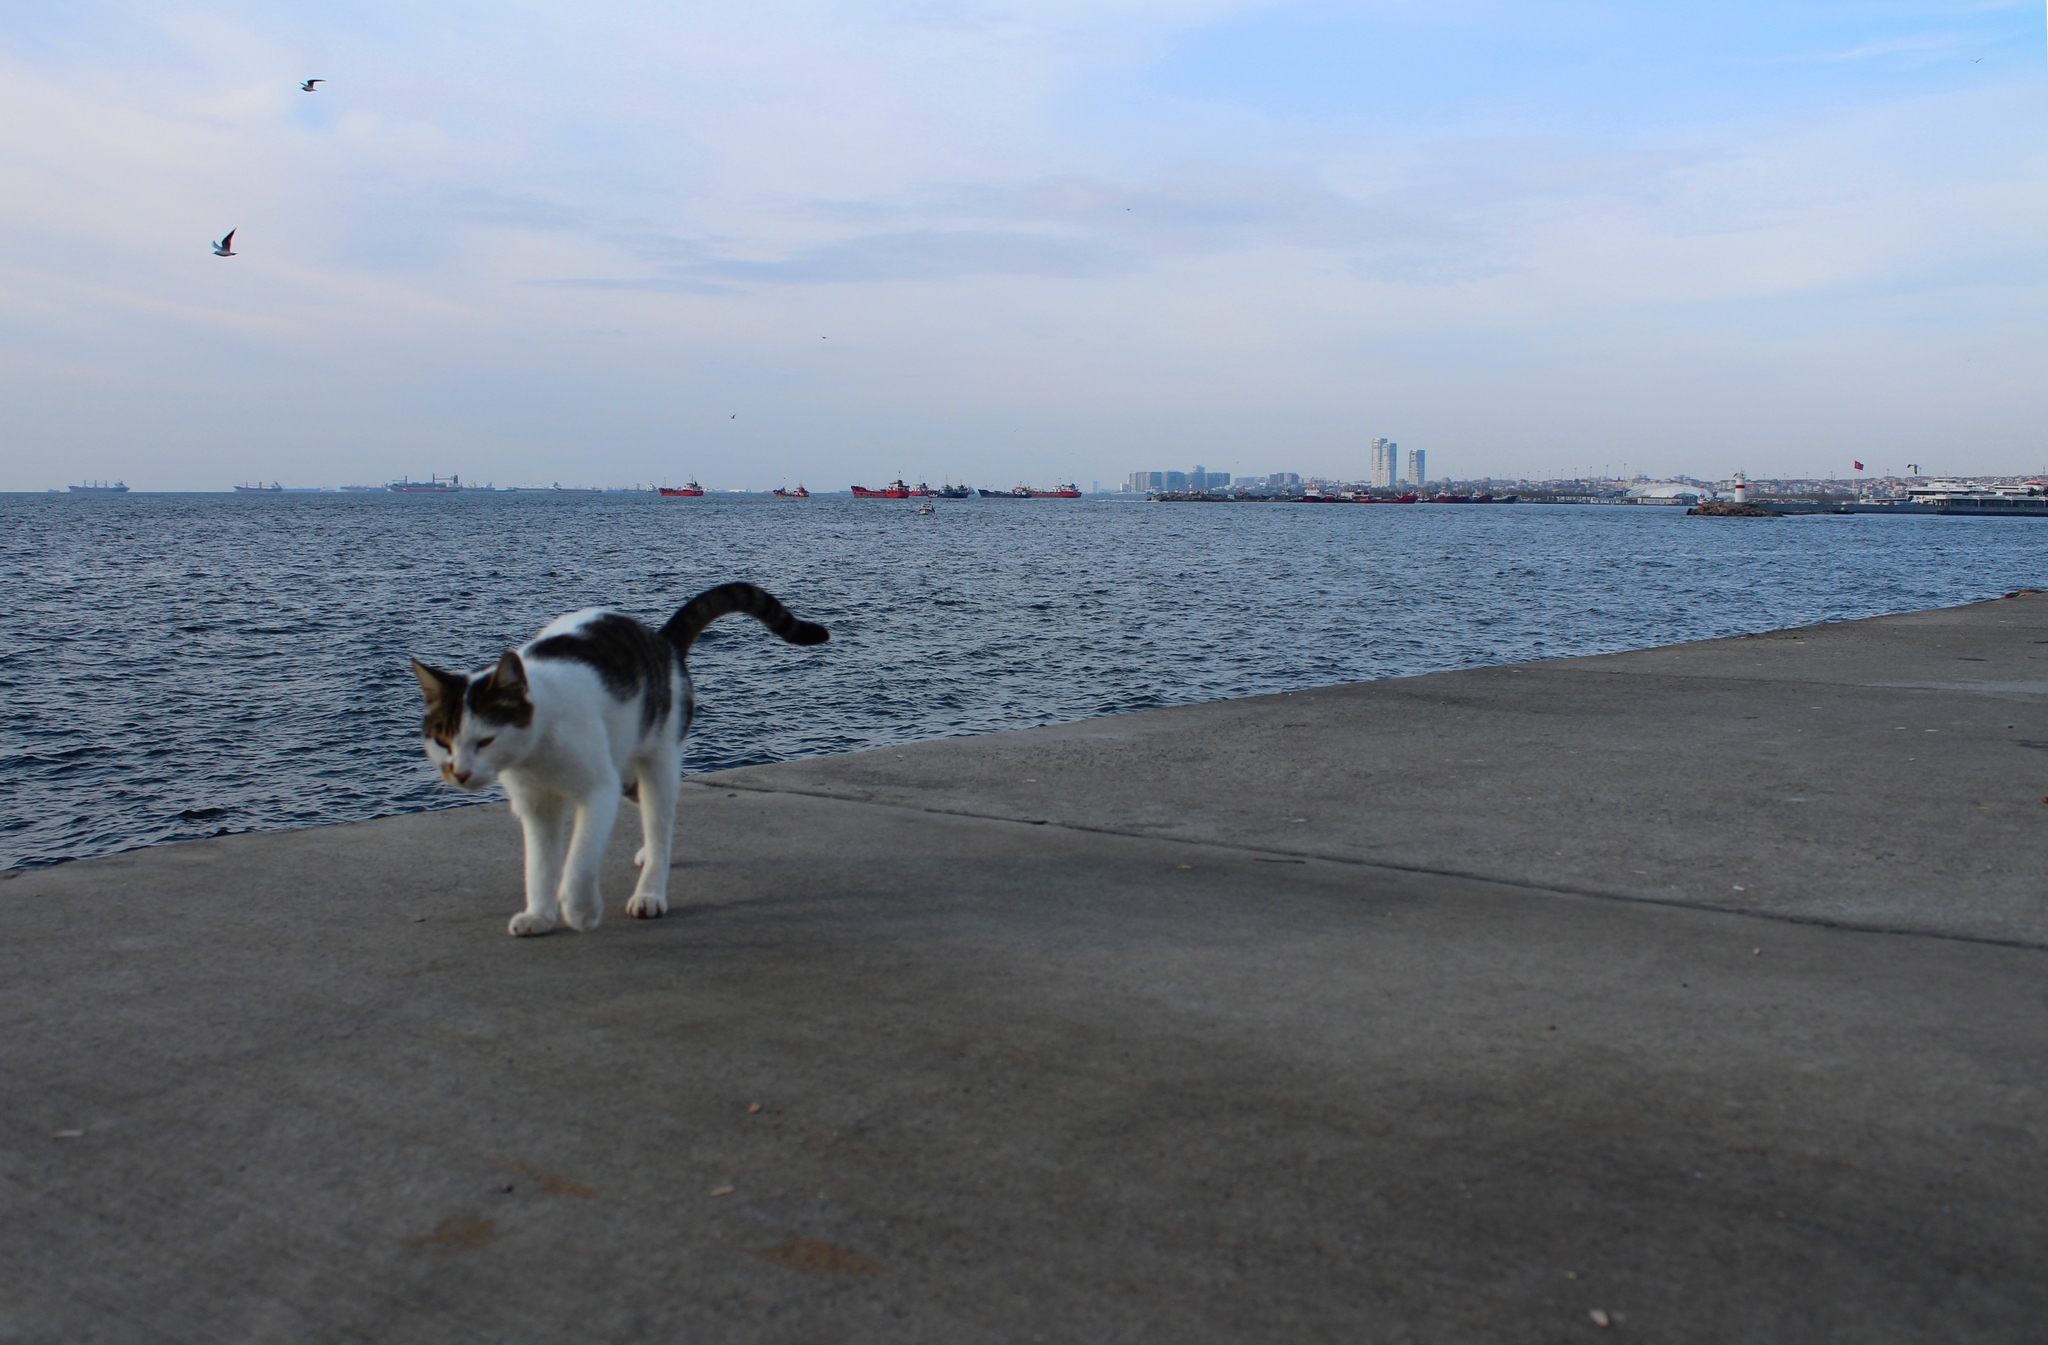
point(1859, 466)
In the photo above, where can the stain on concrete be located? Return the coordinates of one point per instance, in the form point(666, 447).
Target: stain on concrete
point(818, 1258)
point(462, 1231)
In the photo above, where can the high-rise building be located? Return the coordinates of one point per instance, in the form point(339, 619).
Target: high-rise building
point(1282, 480)
point(1417, 473)
point(1145, 482)
point(1386, 463)
point(1176, 480)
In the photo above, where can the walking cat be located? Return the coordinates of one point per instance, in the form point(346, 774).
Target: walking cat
point(593, 708)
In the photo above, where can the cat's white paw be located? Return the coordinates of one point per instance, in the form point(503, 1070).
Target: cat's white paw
point(647, 905)
point(526, 924)
point(582, 920)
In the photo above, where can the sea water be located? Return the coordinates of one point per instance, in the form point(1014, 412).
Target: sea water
point(179, 666)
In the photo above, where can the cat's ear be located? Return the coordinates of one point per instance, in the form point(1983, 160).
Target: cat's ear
point(501, 695)
point(438, 687)
point(509, 677)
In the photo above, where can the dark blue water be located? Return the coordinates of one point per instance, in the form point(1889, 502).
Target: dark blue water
point(175, 666)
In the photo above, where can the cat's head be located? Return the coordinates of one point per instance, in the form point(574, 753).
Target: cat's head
point(477, 726)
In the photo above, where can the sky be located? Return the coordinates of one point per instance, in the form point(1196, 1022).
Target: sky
point(770, 243)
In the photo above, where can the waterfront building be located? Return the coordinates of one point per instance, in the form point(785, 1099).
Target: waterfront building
point(1283, 480)
point(1144, 483)
point(1386, 466)
point(1418, 472)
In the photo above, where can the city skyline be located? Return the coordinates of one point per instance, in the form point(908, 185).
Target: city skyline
point(828, 243)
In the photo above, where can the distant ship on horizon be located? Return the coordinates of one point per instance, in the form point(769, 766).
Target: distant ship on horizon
point(433, 485)
point(1069, 491)
point(100, 488)
point(258, 488)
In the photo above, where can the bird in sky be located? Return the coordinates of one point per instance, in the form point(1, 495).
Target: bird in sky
point(307, 87)
point(735, 416)
point(226, 246)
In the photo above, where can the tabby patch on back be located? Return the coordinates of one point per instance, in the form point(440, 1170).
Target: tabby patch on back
point(594, 706)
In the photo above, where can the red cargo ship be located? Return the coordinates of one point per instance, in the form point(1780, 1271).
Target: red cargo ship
point(1066, 492)
point(896, 491)
point(682, 492)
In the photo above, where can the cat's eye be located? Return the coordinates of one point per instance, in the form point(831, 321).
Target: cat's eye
point(482, 743)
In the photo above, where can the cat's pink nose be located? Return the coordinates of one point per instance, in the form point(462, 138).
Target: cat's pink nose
point(462, 777)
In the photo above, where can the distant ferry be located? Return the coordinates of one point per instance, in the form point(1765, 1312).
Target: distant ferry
point(433, 485)
point(2028, 500)
point(687, 492)
point(798, 494)
point(100, 488)
point(259, 488)
point(1069, 491)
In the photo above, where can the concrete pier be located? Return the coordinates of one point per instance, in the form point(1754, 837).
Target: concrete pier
point(1693, 994)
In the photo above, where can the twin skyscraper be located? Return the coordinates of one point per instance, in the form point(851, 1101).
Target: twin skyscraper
point(1387, 468)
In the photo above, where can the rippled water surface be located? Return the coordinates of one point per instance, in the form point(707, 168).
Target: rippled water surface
point(180, 665)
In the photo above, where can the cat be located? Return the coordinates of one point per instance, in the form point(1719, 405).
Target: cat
point(591, 710)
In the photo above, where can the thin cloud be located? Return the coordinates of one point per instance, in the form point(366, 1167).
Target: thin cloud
point(1926, 45)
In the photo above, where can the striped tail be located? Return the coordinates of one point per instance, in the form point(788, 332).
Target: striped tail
point(693, 616)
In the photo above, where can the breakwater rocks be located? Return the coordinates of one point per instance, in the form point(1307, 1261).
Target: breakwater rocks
point(1729, 509)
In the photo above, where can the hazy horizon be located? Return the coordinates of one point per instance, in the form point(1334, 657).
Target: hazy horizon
point(835, 244)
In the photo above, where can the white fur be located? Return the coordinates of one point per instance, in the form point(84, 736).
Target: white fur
point(565, 773)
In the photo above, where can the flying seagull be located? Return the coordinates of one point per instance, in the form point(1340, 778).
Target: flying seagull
point(307, 87)
point(226, 246)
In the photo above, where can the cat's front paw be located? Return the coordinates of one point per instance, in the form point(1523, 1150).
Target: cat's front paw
point(526, 924)
point(582, 918)
point(647, 905)
point(640, 858)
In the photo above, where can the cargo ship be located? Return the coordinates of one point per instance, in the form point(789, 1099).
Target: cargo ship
point(950, 492)
point(895, 490)
point(798, 494)
point(684, 492)
point(258, 488)
point(433, 485)
point(560, 489)
point(100, 488)
point(1066, 492)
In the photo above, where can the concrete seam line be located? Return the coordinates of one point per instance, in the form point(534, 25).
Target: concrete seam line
point(1780, 917)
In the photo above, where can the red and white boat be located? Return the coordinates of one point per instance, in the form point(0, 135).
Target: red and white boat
point(688, 492)
point(798, 494)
